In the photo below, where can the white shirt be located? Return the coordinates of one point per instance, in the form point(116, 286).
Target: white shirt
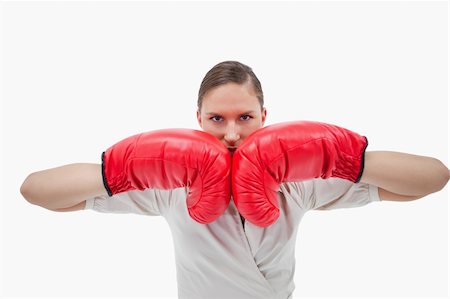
point(231, 259)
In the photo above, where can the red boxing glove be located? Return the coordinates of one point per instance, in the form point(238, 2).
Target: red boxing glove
point(172, 158)
point(290, 152)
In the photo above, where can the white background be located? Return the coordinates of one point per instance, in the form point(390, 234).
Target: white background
point(79, 76)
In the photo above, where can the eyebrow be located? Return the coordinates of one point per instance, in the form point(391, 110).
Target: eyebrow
point(214, 113)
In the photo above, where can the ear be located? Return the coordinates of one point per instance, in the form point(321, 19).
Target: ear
point(199, 119)
point(263, 116)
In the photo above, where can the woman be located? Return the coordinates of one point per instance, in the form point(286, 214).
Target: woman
point(227, 256)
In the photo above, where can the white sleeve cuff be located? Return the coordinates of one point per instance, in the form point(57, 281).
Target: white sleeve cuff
point(373, 193)
point(89, 204)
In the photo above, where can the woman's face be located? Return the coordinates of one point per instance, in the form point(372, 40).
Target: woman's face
point(231, 112)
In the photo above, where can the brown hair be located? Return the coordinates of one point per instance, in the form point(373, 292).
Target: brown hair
point(226, 72)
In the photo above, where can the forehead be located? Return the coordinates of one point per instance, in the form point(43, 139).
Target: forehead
point(230, 96)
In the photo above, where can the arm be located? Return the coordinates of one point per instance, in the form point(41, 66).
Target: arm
point(403, 177)
point(64, 188)
point(303, 150)
point(162, 159)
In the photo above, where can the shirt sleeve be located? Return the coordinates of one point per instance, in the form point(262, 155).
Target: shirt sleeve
point(329, 194)
point(150, 202)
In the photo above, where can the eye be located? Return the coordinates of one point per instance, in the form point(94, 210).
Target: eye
point(214, 118)
point(248, 117)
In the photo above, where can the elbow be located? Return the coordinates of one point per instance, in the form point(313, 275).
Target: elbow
point(442, 176)
point(27, 189)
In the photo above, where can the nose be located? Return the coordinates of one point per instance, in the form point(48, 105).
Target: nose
point(231, 136)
